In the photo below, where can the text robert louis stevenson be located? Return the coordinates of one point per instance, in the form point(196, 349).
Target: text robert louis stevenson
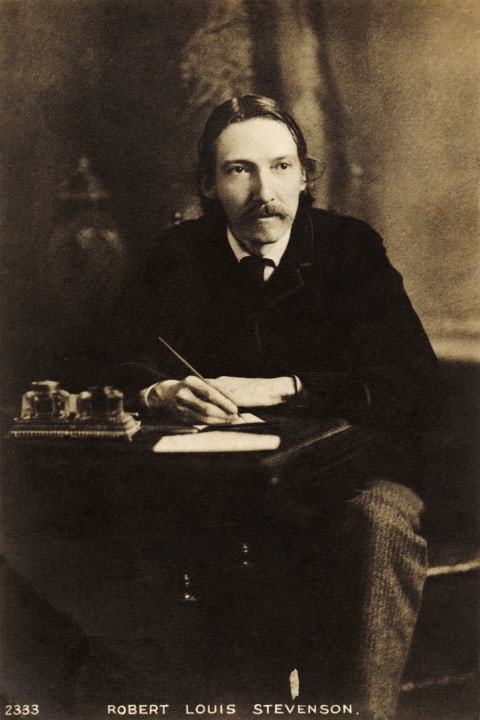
point(200, 710)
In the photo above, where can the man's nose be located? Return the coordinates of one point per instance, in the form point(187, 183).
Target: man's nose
point(263, 186)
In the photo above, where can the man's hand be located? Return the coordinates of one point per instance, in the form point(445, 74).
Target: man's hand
point(195, 401)
point(217, 401)
point(256, 392)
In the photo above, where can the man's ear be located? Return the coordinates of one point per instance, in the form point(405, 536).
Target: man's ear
point(304, 179)
point(208, 190)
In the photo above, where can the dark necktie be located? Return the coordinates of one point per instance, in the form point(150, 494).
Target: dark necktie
point(253, 268)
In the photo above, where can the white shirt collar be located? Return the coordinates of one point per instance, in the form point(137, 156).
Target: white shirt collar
point(275, 251)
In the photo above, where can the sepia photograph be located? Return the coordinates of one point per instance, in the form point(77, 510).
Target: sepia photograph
point(240, 359)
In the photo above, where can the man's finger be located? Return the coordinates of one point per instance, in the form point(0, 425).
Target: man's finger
point(188, 399)
point(196, 417)
point(204, 413)
point(211, 394)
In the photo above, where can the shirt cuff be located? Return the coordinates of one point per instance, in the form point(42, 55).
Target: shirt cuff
point(297, 384)
point(144, 395)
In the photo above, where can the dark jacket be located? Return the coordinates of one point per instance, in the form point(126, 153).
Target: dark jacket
point(334, 313)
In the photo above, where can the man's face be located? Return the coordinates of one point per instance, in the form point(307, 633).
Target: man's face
point(258, 180)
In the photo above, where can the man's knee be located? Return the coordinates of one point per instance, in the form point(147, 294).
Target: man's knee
point(384, 501)
point(385, 510)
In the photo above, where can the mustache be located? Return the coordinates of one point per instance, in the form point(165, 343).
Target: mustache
point(269, 209)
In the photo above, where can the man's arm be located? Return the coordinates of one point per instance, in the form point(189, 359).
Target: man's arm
point(391, 377)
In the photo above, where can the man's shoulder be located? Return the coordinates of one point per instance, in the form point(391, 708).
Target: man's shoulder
point(190, 237)
point(339, 225)
point(343, 248)
point(338, 237)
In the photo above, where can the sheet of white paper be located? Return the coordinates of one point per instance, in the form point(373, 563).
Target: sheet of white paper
point(216, 441)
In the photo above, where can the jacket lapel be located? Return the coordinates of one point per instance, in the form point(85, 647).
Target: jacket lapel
point(292, 274)
point(222, 276)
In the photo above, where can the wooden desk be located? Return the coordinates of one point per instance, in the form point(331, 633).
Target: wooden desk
point(104, 534)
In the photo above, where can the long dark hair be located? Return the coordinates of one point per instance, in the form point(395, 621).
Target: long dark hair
point(238, 109)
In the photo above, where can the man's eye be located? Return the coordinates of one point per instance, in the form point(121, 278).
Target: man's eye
point(236, 170)
point(283, 166)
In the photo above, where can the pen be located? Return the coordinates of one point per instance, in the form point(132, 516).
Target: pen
point(184, 362)
point(187, 365)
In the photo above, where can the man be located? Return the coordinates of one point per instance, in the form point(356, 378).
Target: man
point(280, 305)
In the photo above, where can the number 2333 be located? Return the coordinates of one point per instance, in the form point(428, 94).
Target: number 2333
point(21, 710)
